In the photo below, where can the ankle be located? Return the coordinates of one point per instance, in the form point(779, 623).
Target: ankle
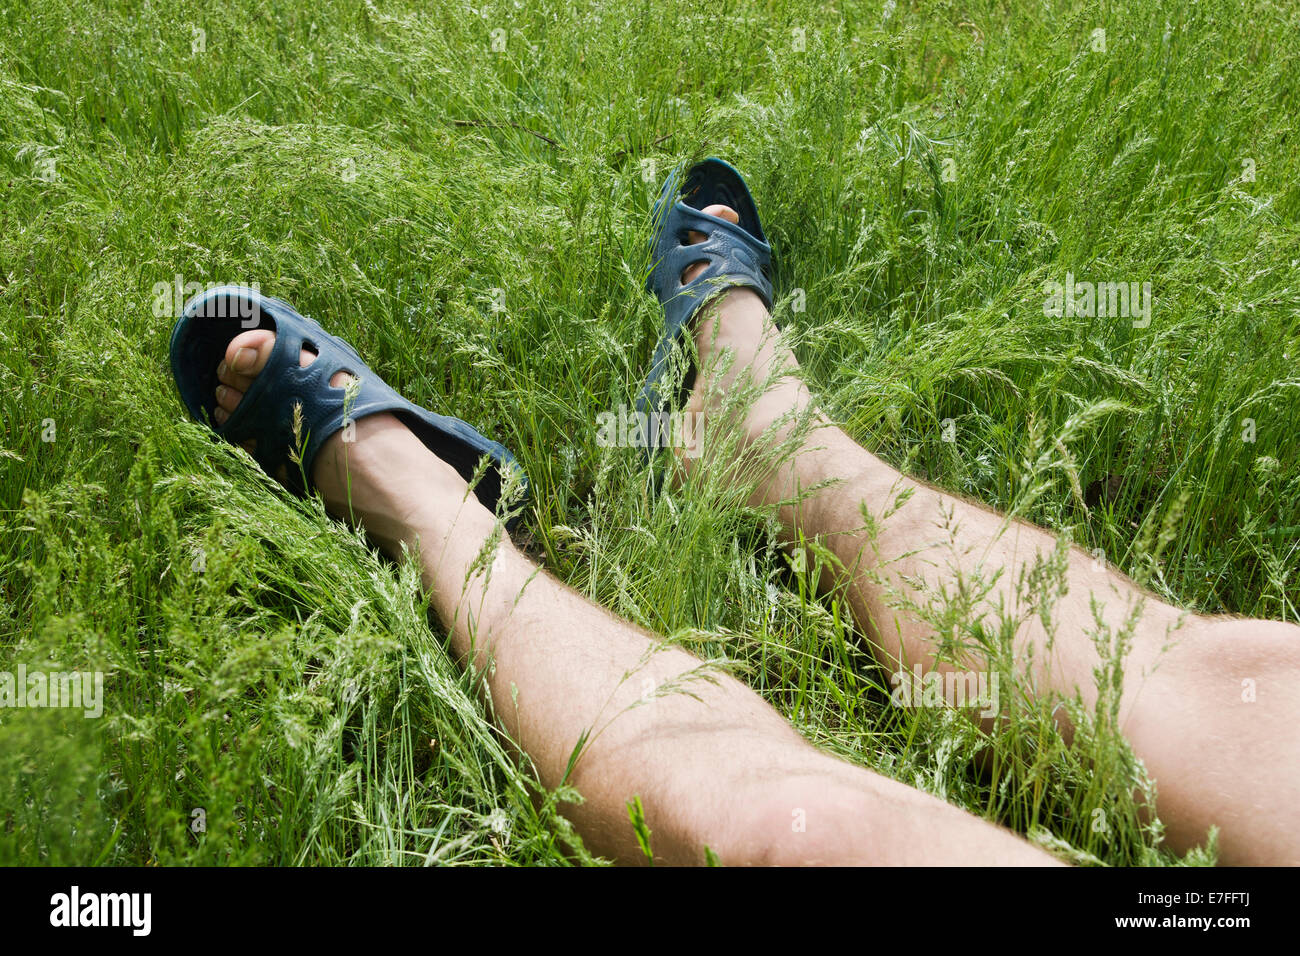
point(380, 475)
point(735, 320)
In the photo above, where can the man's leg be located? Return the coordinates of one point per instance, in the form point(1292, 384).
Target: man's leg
point(1216, 758)
point(719, 769)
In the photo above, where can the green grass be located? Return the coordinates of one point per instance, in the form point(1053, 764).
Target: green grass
point(921, 174)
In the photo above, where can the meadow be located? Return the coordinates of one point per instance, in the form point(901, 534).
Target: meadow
point(463, 192)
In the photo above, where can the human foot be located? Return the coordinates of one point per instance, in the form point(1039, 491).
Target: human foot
point(739, 347)
point(374, 472)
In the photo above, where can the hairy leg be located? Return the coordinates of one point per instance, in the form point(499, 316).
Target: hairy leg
point(1208, 703)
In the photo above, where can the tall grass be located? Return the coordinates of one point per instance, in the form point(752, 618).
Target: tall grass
point(468, 207)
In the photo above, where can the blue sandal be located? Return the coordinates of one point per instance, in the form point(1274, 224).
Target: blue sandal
point(198, 344)
point(735, 255)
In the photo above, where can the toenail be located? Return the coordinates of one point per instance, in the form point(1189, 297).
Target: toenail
point(221, 369)
point(245, 358)
point(221, 392)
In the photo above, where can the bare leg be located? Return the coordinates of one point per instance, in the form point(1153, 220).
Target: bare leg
point(720, 769)
point(1217, 759)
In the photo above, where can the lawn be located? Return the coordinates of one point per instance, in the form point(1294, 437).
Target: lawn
point(462, 191)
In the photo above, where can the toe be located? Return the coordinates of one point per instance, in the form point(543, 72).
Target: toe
point(722, 212)
point(246, 355)
point(719, 211)
point(228, 398)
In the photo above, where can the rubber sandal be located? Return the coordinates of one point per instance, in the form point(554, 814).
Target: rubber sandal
point(198, 344)
point(735, 255)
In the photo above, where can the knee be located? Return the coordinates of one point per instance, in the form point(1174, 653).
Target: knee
point(1224, 661)
point(805, 820)
point(1241, 644)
